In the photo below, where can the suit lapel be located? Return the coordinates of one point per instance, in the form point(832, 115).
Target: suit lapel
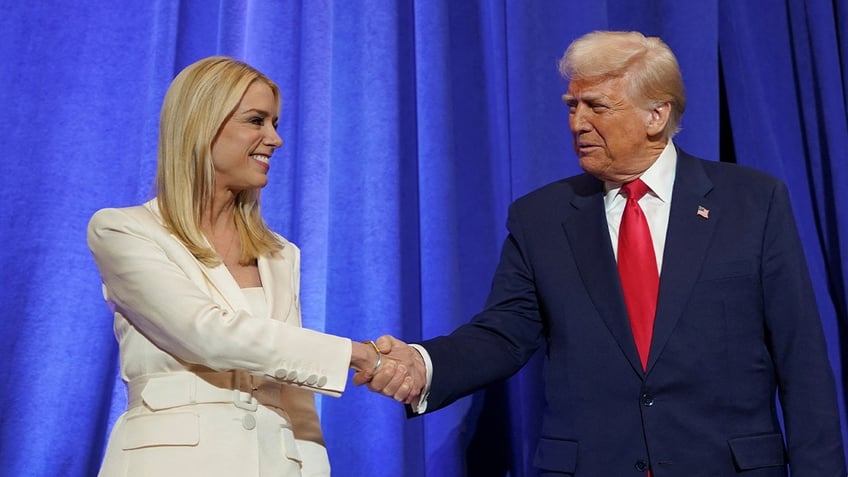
point(687, 241)
point(277, 275)
point(218, 277)
point(586, 227)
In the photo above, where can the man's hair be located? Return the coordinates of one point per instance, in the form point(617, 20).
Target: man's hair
point(651, 69)
point(200, 100)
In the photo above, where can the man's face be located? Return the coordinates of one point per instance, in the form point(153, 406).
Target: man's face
point(611, 134)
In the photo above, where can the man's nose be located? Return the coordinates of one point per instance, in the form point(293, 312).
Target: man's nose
point(577, 119)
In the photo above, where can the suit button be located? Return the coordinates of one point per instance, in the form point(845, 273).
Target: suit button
point(641, 465)
point(281, 373)
point(322, 381)
point(647, 400)
point(248, 421)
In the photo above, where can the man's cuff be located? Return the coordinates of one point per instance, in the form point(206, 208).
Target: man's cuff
point(421, 408)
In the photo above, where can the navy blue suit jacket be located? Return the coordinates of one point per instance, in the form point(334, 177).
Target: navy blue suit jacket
point(736, 322)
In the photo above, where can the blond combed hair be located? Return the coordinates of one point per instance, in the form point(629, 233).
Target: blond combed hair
point(198, 103)
point(650, 66)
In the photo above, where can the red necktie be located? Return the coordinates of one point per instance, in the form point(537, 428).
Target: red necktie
point(637, 267)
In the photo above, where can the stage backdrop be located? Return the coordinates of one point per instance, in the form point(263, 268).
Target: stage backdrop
point(409, 126)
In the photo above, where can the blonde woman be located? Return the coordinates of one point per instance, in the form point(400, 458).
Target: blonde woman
point(220, 374)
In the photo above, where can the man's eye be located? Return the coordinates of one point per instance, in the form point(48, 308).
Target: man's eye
point(599, 108)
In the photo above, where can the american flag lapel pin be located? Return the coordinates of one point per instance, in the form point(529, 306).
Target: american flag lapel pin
point(703, 212)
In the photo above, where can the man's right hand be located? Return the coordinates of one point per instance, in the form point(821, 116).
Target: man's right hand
point(402, 375)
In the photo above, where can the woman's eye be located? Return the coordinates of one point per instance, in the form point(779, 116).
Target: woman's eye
point(257, 121)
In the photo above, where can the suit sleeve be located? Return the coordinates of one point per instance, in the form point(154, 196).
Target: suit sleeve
point(170, 309)
point(806, 386)
point(499, 340)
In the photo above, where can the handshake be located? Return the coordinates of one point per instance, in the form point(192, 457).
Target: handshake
point(398, 371)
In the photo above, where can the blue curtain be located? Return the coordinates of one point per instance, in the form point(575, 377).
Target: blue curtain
point(409, 126)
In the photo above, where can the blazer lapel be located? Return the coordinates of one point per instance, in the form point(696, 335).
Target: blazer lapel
point(221, 279)
point(277, 274)
point(689, 232)
point(218, 277)
point(586, 227)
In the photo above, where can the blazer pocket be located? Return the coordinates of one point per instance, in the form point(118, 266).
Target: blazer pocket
point(728, 270)
point(290, 445)
point(556, 455)
point(153, 430)
point(754, 452)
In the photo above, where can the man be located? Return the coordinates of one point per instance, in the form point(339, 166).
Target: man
point(669, 321)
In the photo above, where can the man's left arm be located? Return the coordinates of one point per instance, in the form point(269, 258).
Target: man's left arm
point(806, 385)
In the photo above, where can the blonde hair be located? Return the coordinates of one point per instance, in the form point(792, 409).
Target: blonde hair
point(198, 103)
point(651, 67)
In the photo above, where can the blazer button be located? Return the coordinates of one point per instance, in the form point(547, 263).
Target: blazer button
point(322, 381)
point(248, 422)
point(302, 376)
point(641, 465)
point(647, 400)
point(281, 373)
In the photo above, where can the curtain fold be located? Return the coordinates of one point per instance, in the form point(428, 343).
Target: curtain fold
point(408, 128)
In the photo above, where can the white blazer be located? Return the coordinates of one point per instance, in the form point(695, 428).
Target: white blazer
point(212, 389)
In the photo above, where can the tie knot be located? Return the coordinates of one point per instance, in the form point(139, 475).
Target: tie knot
point(634, 189)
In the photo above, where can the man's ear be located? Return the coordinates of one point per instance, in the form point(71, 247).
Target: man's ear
point(658, 119)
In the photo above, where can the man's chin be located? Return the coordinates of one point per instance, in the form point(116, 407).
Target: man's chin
point(594, 166)
point(602, 169)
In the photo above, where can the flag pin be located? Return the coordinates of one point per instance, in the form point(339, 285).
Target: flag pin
point(703, 212)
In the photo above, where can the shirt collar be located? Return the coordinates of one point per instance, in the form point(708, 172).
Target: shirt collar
point(659, 177)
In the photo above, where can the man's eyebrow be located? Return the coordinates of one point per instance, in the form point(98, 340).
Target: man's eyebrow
point(584, 97)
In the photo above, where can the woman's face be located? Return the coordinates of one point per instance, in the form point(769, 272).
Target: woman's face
point(242, 151)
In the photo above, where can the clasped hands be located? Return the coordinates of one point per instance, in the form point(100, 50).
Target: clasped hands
point(401, 375)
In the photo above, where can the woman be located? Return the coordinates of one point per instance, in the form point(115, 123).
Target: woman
point(220, 374)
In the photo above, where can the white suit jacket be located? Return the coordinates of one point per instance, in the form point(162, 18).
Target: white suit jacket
point(175, 319)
